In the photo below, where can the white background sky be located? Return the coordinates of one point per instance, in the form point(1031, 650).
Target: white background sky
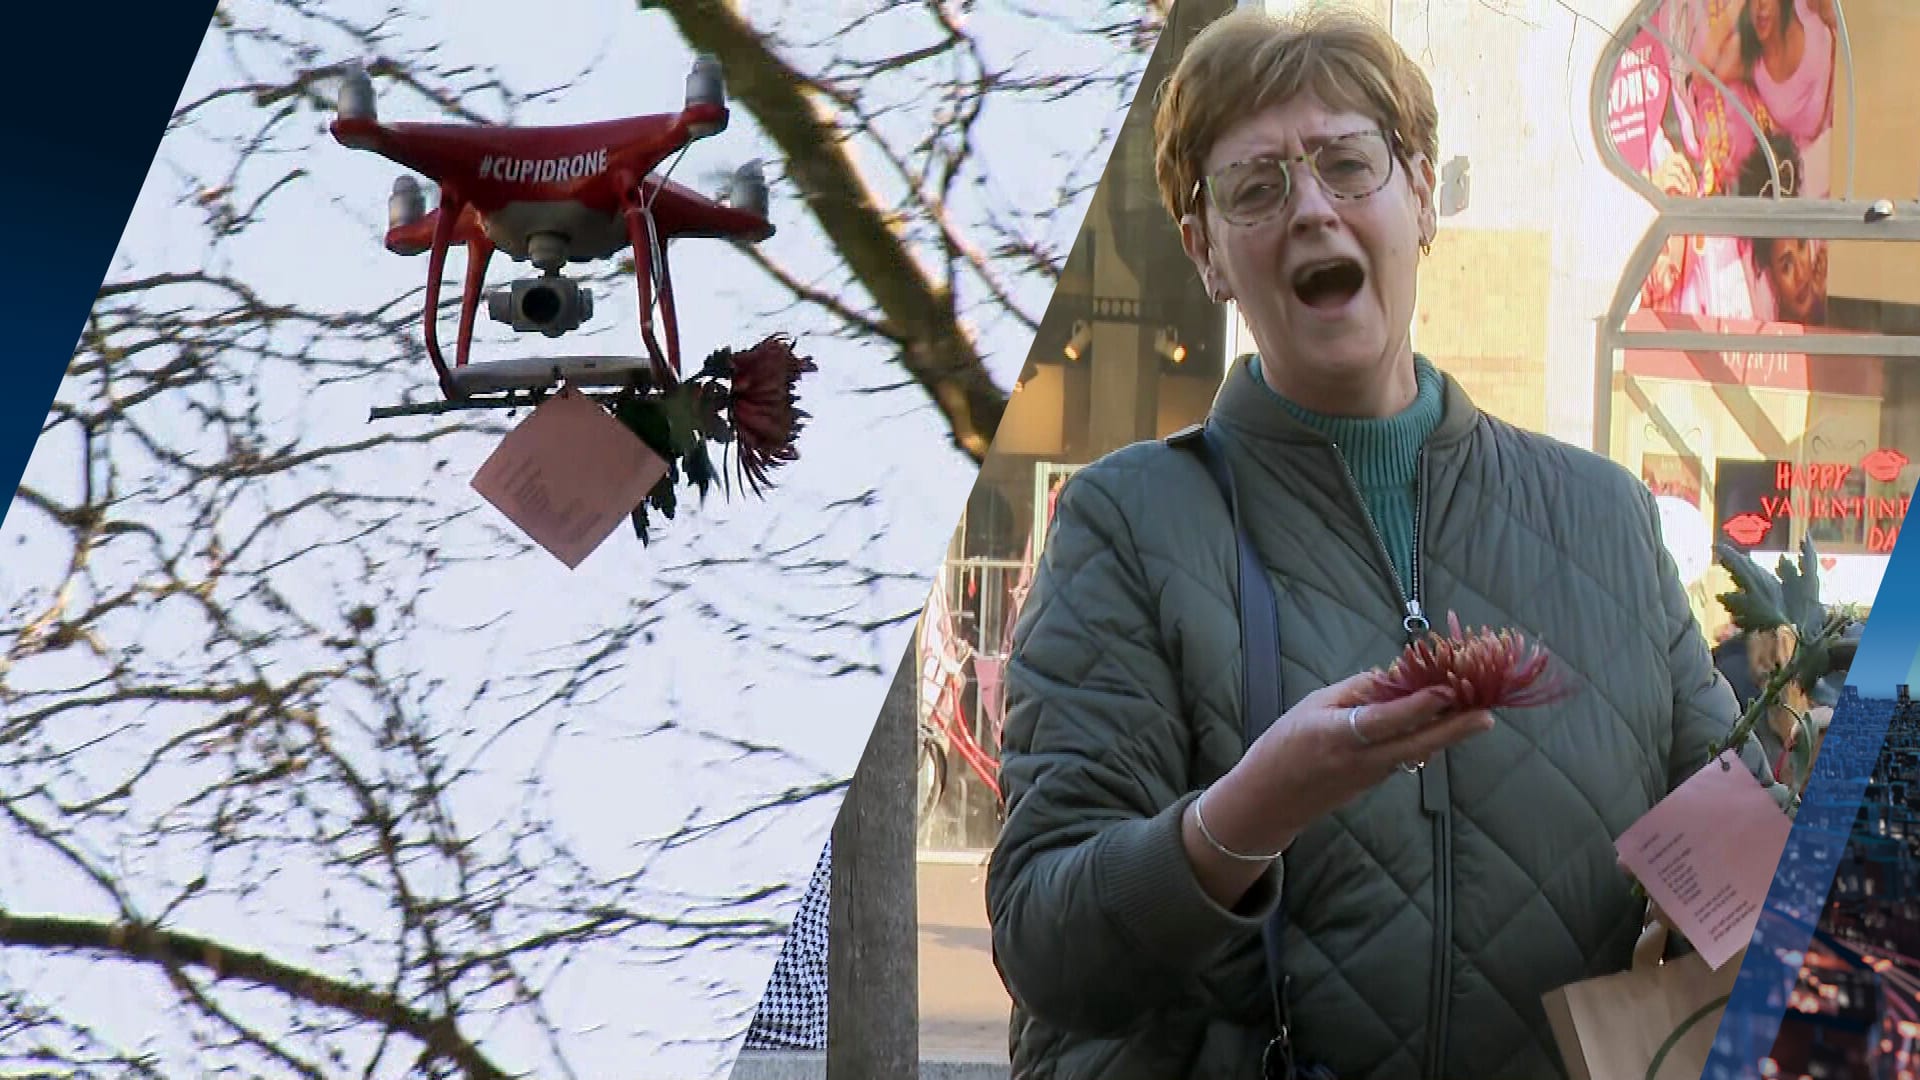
point(320, 243)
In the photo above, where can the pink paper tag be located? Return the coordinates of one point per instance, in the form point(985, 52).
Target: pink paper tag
point(1707, 855)
point(568, 475)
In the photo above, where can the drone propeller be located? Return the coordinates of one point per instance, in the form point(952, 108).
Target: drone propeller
point(747, 189)
point(407, 204)
point(706, 85)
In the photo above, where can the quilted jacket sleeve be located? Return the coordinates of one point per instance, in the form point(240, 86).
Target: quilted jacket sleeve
point(1098, 918)
point(1704, 705)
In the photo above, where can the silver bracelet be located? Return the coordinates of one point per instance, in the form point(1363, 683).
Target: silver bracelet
point(1201, 820)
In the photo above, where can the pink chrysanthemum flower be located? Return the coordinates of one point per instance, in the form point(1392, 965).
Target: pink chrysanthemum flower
point(1483, 668)
point(762, 410)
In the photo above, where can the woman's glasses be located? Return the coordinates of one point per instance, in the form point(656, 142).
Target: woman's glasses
point(1347, 166)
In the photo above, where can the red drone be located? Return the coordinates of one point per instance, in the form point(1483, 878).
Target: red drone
point(573, 194)
point(551, 196)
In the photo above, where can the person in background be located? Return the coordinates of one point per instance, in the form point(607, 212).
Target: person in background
point(1431, 871)
point(1791, 51)
point(1790, 273)
point(793, 1011)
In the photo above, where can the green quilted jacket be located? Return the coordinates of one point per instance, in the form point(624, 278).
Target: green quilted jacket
point(1426, 918)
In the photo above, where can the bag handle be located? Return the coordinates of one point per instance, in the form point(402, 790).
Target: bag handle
point(1260, 698)
point(1651, 949)
point(1649, 952)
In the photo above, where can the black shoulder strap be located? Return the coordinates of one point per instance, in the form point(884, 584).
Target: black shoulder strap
point(1259, 609)
point(1260, 696)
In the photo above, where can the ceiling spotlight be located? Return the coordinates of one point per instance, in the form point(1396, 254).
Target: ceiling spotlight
point(1166, 342)
point(1081, 340)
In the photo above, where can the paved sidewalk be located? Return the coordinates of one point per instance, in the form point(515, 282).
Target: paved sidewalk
point(963, 1006)
point(802, 1066)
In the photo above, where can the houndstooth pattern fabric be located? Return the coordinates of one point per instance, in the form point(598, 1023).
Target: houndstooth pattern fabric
point(793, 1012)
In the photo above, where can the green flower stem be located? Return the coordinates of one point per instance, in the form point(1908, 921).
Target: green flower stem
point(1776, 686)
point(1768, 698)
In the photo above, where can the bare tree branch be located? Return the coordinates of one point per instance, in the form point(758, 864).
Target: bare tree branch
point(918, 311)
point(172, 950)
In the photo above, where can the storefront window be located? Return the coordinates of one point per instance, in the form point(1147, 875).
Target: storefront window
point(1771, 441)
point(1764, 350)
point(1131, 348)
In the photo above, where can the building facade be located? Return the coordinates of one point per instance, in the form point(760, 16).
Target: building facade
point(1659, 241)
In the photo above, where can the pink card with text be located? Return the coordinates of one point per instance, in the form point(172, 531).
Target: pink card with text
point(568, 475)
point(1707, 855)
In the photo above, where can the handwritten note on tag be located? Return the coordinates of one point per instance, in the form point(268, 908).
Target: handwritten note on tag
point(568, 475)
point(1707, 855)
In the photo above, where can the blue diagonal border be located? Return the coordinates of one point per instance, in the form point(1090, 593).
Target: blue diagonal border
point(91, 92)
point(1819, 838)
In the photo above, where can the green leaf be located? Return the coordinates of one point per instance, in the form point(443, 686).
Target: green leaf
point(700, 468)
point(663, 497)
point(719, 364)
point(1800, 590)
point(683, 420)
point(646, 419)
point(1756, 603)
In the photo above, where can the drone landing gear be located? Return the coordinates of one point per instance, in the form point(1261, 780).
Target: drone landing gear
point(451, 207)
point(649, 255)
point(529, 380)
point(535, 373)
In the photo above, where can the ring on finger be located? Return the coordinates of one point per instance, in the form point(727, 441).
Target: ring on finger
point(1353, 725)
point(1412, 768)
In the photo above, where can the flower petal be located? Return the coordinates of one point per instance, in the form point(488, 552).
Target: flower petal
point(1482, 668)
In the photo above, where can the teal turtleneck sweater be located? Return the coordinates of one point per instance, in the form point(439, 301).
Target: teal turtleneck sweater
point(1383, 454)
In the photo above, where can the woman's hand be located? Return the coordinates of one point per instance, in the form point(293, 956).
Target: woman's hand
point(1322, 754)
point(1675, 176)
point(1330, 749)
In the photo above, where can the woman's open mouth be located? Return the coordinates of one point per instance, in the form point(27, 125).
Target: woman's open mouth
point(1329, 285)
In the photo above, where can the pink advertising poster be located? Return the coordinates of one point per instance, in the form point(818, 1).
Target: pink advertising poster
point(1683, 122)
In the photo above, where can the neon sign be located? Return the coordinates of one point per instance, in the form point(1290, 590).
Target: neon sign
point(1755, 498)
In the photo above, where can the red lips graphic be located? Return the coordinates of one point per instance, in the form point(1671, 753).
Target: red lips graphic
point(1884, 465)
point(1747, 529)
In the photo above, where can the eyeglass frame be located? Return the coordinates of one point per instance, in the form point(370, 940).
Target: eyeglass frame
point(1396, 147)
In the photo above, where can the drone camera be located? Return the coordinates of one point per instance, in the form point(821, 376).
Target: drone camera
point(356, 95)
point(407, 204)
point(706, 85)
point(552, 305)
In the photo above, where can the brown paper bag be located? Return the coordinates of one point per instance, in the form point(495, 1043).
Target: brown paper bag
point(1614, 1027)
